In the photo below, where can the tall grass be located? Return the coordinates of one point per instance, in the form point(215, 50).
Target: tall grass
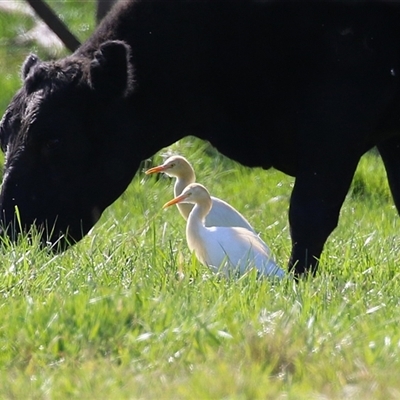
point(130, 313)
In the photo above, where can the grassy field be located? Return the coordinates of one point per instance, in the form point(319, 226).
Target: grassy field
point(129, 313)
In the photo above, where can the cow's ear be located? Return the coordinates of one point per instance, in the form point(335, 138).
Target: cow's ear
point(111, 69)
point(29, 62)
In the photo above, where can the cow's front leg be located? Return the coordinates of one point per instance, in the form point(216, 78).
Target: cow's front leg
point(314, 212)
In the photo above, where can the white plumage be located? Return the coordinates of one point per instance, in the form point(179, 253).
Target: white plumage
point(226, 249)
point(221, 213)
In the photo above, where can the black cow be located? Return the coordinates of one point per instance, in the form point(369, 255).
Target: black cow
point(304, 87)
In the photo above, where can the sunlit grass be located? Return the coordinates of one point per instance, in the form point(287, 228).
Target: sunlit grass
point(130, 313)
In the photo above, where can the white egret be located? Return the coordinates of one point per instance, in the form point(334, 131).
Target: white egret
point(226, 249)
point(221, 214)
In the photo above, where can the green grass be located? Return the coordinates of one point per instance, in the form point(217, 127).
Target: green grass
point(129, 313)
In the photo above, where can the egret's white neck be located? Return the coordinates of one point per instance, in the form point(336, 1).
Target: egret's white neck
point(184, 180)
point(195, 227)
point(180, 184)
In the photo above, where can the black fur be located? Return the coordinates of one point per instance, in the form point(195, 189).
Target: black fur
point(304, 87)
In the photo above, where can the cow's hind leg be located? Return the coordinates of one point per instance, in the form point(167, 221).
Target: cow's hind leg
point(390, 153)
point(315, 205)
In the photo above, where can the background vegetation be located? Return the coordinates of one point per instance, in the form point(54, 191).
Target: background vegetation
point(129, 313)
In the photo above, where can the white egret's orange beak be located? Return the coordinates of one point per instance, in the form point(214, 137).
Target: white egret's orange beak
point(159, 168)
point(176, 200)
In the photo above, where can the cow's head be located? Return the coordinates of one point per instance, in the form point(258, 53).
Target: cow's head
point(64, 139)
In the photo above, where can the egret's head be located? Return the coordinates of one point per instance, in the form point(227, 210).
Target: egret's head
point(195, 193)
point(175, 166)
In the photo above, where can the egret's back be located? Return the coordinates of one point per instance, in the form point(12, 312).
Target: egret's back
point(232, 250)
